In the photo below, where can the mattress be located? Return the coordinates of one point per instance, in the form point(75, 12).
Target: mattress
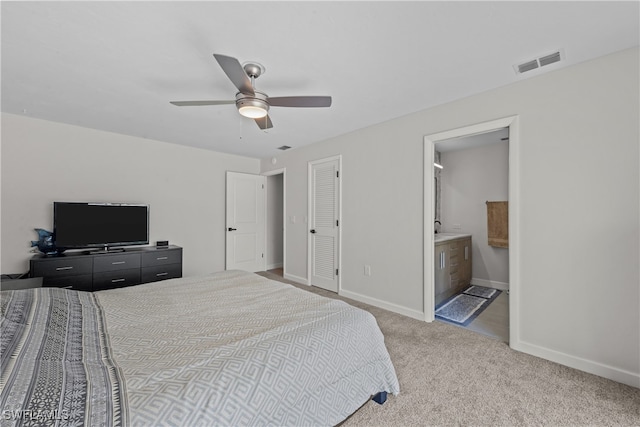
point(230, 348)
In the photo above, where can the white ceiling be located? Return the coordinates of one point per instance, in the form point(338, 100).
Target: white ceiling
point(116, 65)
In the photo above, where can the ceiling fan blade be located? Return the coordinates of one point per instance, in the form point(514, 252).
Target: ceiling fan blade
point(300, 101)
point(264, 122)
point(235, 72)
point(197, 103)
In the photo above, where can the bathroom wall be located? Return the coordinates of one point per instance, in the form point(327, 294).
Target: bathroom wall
point(470, 178)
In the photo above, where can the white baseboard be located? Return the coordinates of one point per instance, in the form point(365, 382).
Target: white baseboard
point(383, 304)
point(612, 373)
point(297, 279)
point(619, 375)
point(490, 284)
point(275, 265)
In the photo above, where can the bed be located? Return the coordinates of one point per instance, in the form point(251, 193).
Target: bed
point(230, 348)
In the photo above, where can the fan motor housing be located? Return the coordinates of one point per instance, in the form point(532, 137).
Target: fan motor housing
point(250, 103)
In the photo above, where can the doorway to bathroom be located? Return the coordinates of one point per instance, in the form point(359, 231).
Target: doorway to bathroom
point(474, 170)
point(472, 267)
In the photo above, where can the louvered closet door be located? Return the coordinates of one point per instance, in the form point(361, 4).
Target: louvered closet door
point(323, 224)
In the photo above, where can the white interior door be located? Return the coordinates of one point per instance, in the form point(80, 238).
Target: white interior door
point(324, 217)
point(245, 222)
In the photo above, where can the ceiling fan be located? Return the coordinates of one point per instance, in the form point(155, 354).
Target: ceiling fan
point(250, 102)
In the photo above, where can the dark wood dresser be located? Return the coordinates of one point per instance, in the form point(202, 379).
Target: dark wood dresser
point(86, 271)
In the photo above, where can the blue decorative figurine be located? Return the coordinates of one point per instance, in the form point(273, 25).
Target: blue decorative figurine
point(45, 242)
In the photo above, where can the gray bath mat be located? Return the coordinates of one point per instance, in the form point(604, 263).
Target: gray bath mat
point(461, 309)
point(480, 291)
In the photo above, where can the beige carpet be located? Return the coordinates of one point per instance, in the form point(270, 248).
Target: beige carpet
point(451, 376)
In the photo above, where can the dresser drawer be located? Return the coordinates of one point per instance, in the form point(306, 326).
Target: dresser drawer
point(161, 272)
point(116, 279)
point(116, 262)
point(58, 267)
point(80, 282)
point(161, 257)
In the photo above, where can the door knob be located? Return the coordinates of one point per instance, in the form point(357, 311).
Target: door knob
point(313, 231)
point(232, 229)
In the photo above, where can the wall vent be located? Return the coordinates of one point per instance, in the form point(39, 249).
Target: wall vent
point(284, 147)
point(543, 61)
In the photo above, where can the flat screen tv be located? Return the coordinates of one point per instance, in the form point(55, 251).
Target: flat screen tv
point(78, 225)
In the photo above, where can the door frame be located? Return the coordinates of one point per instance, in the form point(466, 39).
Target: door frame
point(310, 165)
point(282, 171)
point(430, 141)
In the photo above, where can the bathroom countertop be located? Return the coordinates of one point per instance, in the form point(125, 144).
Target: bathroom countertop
point(445, 237)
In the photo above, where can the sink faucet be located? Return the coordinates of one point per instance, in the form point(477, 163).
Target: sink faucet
point(434, 228)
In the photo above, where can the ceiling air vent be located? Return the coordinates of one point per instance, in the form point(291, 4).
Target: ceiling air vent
point(549, 59)
point(284, 147)
point(528, 66)
point(545, 60)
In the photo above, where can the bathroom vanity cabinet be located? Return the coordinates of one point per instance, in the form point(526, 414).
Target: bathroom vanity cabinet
point(452, 264)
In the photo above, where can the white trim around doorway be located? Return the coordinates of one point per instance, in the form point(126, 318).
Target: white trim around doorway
point(514, 216)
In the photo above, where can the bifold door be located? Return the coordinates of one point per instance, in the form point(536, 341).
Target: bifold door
point(324, 210)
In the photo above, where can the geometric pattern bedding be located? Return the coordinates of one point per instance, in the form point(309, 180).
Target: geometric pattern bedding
point(56, 366)
point(235, 348)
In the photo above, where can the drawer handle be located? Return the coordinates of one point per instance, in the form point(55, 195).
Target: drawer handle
point(161, 274)
point(118, 262)
point(64, 268)
point(162, 257)
point(117, 280)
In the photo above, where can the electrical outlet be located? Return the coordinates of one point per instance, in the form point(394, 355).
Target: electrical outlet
point(367, 270)
point(456, 227)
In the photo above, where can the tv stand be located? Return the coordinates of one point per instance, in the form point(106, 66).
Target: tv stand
point(106, 250)
point(96, 271)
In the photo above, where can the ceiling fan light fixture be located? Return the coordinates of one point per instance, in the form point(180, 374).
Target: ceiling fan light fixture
point(250, 102)
point(252, 108)
point(252, 112)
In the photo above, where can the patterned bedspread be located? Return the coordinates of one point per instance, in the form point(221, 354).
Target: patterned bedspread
point(232, 348)
point(56, 364)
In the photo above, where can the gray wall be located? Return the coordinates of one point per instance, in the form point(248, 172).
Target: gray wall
point(44, 161)
point(579, 250)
